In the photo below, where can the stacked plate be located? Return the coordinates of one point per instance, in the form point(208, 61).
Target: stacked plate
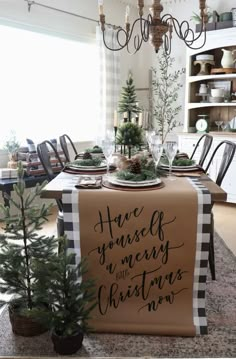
point(216, 99)
point(124, 183)
point(182, 168)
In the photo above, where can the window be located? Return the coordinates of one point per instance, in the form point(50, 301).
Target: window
point(48, 86)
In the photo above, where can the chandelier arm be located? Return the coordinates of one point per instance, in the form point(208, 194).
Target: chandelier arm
point(111, 48)
point(128, 35)
point(144, 29)
point(167, 44)
point(183, 35)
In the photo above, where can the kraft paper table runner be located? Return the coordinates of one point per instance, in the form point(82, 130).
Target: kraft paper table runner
point(148, 251)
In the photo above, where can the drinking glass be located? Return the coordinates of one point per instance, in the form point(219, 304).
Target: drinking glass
point(149, 134)
point(156, 150)
point(108, 149)
point(170, 148)
point(224, 126)
point(218, 124)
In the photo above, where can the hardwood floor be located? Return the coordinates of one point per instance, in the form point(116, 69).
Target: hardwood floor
point(225, 223)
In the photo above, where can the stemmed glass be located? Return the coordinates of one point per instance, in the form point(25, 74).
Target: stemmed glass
point(170, 148)
point(108, 146)
point(156, 150)
point(149, 134)
point(218, 124)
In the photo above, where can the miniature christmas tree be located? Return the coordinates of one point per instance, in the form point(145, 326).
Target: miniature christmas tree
point(129, 134)
point(128, 100)
point(22, 246)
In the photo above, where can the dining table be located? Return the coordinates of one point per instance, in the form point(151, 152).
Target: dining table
point(147, 249)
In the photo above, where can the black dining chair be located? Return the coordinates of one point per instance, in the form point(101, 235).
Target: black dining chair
point(52, 162)
point(226, 159)
point(64, 140)
point(206, 141)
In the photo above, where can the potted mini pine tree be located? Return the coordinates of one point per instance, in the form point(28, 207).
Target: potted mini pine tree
point(22, 248)
point(70, 298)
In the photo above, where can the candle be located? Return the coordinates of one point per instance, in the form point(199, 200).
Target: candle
point(115, 119)
point(125, 114)
point(100, 7)
point(140, 119)
point(133, 120)
point(127, 14)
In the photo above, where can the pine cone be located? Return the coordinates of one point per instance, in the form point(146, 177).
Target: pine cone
point(87, 156)
point(135, 166)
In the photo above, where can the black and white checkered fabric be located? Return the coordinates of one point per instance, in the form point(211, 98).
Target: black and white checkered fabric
point(70, 199)
point(71, 221)
point(202, 253)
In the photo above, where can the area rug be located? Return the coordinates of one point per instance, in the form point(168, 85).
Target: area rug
point(220, 342)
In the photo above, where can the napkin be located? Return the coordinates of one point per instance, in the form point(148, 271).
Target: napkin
point(88, 182)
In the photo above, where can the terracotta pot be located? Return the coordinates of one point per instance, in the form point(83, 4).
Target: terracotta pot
point(25, 326)
point(67, 345)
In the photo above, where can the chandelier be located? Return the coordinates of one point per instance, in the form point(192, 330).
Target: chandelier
point(156, 28)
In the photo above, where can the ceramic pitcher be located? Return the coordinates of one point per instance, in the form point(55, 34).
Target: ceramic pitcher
point(227, 60)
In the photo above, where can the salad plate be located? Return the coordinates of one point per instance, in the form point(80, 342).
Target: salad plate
point(182, 168)
point(102, 166)
point(125, 183)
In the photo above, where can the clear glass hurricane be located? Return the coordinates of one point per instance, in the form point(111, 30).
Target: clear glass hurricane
point(156, 150)
point(170, 148)
point(108, 147)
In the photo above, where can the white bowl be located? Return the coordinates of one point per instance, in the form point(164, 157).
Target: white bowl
point(217, 92)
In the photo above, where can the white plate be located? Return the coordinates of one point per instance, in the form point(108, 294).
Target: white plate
point(89, 168)
point(181, 168)
point(124, 183)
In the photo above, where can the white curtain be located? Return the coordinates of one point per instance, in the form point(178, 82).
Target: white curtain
point(110, 80)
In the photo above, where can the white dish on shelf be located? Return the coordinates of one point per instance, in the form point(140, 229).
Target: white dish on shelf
point(215, 99)
point(203, 57)
point(125, 183)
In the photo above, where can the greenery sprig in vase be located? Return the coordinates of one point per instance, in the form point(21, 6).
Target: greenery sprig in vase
point(166, 86)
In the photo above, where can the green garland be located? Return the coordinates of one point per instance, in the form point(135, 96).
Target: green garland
point(183, 162)
point(129, 176)
point(147, 172)
point(87, 162)
point(95, 149)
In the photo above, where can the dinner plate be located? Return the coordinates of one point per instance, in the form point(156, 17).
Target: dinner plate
point(182, 168)
point(125, 183)
point(88, 168)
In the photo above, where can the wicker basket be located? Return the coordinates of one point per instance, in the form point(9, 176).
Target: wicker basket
point(24, 326)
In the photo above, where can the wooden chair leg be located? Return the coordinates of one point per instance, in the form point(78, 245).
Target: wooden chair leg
point(211, 251)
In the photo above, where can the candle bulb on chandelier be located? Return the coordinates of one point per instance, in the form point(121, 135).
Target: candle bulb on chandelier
point(127, 12)
point(100, 7)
